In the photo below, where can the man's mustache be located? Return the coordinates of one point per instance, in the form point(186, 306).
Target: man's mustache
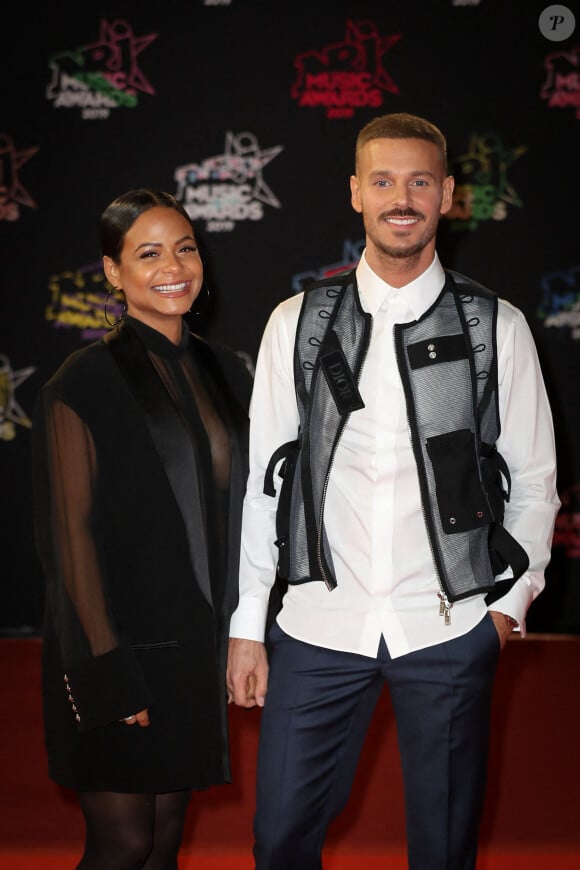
point(403, 213)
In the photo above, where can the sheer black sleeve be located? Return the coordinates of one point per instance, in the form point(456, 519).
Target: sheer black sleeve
point(105, 680)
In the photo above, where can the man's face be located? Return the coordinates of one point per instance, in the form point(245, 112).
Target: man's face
point(401, 190)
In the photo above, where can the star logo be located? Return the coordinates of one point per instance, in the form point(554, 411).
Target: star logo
point(10, 411)
point(116, 53)
point(11, 160)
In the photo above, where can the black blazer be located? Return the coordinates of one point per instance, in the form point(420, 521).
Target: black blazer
point(136, 613)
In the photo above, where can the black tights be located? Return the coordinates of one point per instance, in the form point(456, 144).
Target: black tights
point(132, 831)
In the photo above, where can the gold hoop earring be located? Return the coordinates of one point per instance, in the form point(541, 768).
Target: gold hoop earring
point(120, 316)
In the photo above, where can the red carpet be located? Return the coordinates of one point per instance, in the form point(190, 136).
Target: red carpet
point(381, 859)
point(532, 814)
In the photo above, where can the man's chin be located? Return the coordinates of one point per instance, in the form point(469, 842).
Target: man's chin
point(401, 252)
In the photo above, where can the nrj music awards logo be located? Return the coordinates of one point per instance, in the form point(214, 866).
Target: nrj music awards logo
point(560, 305)
point(13, 194)
point(346, 75)
point(483, 190)
point(102, 75)
point(561, 87)
point(227, 188)
point(83, 299)
point(351, 254)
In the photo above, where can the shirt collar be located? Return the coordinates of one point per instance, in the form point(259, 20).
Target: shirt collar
point(157, 342)
point(420, 293)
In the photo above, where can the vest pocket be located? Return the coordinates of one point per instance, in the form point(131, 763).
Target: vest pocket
point(461, 500)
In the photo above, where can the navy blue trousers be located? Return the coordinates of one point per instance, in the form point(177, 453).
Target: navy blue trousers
point(314, 722)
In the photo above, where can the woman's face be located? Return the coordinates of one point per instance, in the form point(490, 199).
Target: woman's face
point(160, 270)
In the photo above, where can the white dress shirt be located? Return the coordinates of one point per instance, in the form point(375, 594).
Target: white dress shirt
point(387, 583)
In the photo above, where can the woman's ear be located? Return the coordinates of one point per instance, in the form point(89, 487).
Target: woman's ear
point(111, 271)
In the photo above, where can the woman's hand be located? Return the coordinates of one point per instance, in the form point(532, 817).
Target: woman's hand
point(141, 719)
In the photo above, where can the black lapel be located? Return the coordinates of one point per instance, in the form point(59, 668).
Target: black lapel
point(171, 440)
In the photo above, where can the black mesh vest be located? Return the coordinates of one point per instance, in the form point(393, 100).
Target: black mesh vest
point(448, 366)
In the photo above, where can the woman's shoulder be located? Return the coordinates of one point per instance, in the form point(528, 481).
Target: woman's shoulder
point(83, 374)
point(80, 363)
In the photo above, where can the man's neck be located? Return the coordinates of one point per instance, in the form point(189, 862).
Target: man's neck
point(399, 271)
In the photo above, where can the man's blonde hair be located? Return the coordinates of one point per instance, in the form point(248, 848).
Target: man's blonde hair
point(401, 125)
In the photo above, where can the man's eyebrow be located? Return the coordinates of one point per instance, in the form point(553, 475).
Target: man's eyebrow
point(414, 173)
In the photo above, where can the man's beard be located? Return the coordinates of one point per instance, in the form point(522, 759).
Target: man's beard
point(402, 251)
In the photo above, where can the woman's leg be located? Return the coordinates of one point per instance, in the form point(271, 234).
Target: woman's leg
point(119, 830)
point(170, 811)
point(132, 831)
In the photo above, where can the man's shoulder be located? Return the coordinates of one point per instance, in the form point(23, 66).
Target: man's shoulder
point(287, 309)
point(337, 281)
point(508, 314)
point(468, 284)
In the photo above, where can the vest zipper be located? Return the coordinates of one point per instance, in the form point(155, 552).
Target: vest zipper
point(444, 607)
point(445, 604)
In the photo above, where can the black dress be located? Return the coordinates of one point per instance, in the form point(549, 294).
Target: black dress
point(140, 465)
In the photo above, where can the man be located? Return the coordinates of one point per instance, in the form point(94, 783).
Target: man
point(410, 403)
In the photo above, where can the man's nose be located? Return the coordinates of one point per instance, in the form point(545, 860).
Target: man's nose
point(400, 194)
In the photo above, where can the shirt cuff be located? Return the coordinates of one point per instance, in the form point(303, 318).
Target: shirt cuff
point(516, 602)
point(249, 619)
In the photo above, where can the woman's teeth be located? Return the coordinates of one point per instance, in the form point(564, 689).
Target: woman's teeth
point(170, 288)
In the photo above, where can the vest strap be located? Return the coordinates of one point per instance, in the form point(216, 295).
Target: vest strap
point(282, 453)
point(504, 546)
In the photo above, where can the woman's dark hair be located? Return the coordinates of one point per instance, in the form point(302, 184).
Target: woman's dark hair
point(120, 215)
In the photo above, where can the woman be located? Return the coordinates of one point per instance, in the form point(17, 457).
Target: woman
point(140, 449)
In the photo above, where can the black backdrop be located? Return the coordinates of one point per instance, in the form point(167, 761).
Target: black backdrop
point(249, 111)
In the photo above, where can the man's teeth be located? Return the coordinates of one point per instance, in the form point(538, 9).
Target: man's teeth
point(402, 221)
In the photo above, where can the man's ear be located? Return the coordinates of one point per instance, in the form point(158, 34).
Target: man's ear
point(111, 271)
point(447, 199)
point(355, 194)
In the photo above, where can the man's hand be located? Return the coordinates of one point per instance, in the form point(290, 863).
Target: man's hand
point(502, 625)
point(247, 672)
